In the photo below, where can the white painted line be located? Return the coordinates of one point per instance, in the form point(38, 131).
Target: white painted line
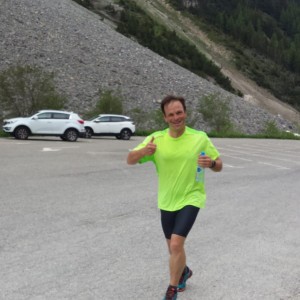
point(287, 152)
point(237, 157)
point(45, 149)
point(265, 156)
point(94, 153)
point(235, 167)
point(276, 166)
point(50, 149)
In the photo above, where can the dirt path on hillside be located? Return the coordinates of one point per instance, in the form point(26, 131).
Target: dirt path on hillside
point(222, 57)
point(261, 97)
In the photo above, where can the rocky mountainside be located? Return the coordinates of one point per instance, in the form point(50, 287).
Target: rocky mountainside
point(88, 55)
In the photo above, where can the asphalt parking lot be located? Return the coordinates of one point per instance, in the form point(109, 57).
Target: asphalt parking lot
point(76, 222)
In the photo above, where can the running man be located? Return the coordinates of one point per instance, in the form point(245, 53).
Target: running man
point(175, 152)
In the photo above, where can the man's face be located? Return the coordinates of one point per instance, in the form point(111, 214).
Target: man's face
point(175, 116)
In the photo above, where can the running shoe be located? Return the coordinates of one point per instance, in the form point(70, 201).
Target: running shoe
point(171, 293)
point(187, 273)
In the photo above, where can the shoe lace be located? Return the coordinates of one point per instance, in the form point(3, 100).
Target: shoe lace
point(171, 292)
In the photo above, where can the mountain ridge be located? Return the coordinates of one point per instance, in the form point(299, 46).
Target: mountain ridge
point(221, 56)
point(88, 56)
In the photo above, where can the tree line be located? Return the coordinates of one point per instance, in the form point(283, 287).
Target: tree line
point(270, 29)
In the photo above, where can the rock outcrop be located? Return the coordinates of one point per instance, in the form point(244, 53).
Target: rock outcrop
point(88, 56)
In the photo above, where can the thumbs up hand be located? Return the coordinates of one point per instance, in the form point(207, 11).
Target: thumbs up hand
point(150, 147)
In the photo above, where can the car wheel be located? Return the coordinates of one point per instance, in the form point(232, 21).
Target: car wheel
point(125, 134)
point(71, 135)
point(89, 132)
point(21, 133)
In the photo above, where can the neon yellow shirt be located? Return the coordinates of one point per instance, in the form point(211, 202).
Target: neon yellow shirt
point(176, 163)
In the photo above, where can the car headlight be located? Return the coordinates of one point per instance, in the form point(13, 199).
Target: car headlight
point(9, 121)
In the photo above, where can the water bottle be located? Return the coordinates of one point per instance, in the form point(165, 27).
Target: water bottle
point(200, 172)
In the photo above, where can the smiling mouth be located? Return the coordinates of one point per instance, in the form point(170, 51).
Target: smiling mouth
point(177, 124)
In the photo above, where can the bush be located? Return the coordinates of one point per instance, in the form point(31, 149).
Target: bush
point(27, 89)
point(271, 129)
point(215, 112)
point(3, 134)
point(108, 103)
point(157, 118)
point(139, 117)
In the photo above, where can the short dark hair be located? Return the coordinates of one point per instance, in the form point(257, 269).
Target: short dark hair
point(170, 98)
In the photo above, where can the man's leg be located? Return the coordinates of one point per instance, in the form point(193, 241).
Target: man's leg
point(177, 261)
point(176, 226)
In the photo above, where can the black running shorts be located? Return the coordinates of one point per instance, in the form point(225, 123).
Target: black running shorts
point(179, 222)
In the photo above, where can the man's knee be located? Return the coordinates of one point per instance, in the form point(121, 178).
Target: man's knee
point(176, 244)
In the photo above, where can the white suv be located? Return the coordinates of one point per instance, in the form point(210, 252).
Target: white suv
point(122, 127)
point(67, 125)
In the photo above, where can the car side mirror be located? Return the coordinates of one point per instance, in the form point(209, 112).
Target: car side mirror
point(34, 118)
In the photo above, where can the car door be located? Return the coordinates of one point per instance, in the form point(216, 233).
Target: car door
point(101, 125)
point(60, 122)
point(116, 124)
point(41, 123)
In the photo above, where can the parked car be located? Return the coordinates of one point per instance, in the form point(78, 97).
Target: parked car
point(67, 125)
point(122, 127)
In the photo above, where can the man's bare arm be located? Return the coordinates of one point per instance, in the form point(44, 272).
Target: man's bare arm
point(135, 155)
